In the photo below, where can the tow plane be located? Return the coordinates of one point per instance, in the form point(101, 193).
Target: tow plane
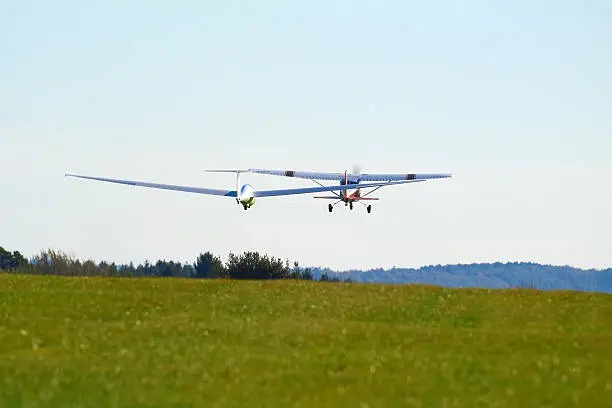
point(348, 181)
point(245, 194)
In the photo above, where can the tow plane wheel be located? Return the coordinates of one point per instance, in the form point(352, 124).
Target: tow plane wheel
point(330, 207)
point(351, 205)
point(369, 208)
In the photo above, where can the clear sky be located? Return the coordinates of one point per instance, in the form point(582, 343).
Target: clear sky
point(512, 97)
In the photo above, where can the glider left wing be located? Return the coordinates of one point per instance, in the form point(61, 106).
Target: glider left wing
point(198, 190)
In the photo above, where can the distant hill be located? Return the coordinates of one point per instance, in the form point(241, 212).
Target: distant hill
point(486, 275)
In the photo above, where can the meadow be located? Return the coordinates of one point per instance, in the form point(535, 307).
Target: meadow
point(172, 342)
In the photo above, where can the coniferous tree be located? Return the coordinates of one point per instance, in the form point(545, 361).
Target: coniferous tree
point(252, 265)
point(10, 260)
point(208, 265)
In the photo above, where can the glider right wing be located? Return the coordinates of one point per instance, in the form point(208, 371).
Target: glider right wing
point(272, 193)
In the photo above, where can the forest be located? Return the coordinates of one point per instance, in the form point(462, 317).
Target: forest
point(248, 265)
point(253, 265)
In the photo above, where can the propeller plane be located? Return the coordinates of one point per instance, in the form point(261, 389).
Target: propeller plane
point(354, 179)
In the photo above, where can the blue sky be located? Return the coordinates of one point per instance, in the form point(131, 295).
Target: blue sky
point(513, 98)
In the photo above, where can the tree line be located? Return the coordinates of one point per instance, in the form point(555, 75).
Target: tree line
point(248, 265)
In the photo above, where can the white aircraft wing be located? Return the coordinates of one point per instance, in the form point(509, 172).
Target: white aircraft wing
point(198, 190)
point(232, 193)
point(318, 175)
point(306, 190)
point(402, 176)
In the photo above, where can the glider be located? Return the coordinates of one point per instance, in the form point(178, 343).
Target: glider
point(352, 181)
point(244, 194)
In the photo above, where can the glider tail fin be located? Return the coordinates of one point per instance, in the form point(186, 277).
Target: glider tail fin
point(237, 171)
point(227, 170)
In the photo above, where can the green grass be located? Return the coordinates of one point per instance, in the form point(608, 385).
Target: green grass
point(172, 342)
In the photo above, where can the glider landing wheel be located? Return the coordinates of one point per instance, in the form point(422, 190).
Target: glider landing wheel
point(369, 208)
point(330, 207)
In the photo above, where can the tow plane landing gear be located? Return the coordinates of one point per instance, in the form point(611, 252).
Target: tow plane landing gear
point(330, 207)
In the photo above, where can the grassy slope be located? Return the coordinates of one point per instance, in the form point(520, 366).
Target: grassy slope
point(170, 342)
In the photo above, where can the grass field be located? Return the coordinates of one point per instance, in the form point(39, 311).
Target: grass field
point(172, 342)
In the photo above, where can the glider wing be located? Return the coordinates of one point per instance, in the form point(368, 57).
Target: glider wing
point(232, 193)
